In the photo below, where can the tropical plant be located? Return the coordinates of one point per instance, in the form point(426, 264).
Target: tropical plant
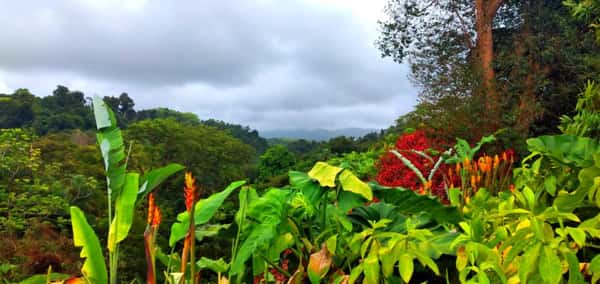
point(123, 189)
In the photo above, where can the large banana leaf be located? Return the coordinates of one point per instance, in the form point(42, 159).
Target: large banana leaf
point(124, 207)
point(204, 210)
point(111, 145)
point(94, 268)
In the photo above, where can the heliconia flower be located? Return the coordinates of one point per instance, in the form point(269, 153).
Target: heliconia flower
point(474, 182)
point(189, 190)
point(157, 217)
point(467, 163)
point(504, 156)
point(496, 161)
point(151, 208)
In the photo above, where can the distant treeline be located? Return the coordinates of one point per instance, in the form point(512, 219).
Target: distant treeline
point(66, 109)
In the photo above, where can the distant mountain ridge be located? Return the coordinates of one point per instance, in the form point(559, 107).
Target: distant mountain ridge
point(315, 134)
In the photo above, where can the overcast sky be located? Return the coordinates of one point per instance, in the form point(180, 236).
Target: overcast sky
point(269, 64)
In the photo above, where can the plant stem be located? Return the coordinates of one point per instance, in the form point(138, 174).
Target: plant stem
point(192, 232)
point(271, 263)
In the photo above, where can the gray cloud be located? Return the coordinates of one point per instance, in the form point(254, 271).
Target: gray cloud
point(268, 64)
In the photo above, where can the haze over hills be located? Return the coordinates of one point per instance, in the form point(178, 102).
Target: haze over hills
point(315, 134)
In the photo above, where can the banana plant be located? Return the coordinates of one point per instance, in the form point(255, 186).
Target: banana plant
point(123, 190)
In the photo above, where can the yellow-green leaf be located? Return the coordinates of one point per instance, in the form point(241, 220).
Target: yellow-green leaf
point(371, 269)
point(331, 244)
point(84, 236)
point(324, 173)
point(550, 266)
point(353, 184)
point(578, 236)
point(406, 267)
point(124, 207)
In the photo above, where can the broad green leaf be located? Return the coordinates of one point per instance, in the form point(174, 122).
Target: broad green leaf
point(575, 275)
point(113, 155)
point(152, 179)
point(217, 266)
point(209, 230)
point(388, 260)
point(410, 202)
point(406, 267)
point(260, 235)
point(355, 273)
point(44, 278)
point(110, 140)
point(529, 261)
point(124, 207)
point(94, 268)
point(566, 149)
point(309, 188)
point(371, 268)
point(351, 183)
point(549, 266)
point(550, 185)
point(324, 173)
point(332, 244)
point(454, 195)
point(347, 200)
point(578, 236)
point(268, 212)
point(204, 210)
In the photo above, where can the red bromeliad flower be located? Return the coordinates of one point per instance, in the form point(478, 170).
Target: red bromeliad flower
point(393, 172)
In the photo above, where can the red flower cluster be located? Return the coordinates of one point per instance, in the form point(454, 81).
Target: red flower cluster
point(393, 172)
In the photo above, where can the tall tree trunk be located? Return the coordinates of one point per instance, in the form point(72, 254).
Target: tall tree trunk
point(485, 11)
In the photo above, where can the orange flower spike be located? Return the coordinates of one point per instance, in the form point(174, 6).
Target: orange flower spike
point(512, 188)
point(458, 169)
point(504, 156)
point(474, 182)
point(481, 163)
point(151, 208)
point(496, 161)
point(189, 191)
point(467, 163)
point(157, 217)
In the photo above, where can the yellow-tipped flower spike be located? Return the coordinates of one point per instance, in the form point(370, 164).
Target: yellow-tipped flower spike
point(496, 161)
point(151, 207)
point(189, 190)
